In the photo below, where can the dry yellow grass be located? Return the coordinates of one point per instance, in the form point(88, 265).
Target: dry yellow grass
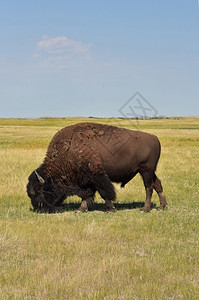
point(124, 255)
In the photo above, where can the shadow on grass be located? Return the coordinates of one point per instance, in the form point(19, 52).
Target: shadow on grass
point(73, 206)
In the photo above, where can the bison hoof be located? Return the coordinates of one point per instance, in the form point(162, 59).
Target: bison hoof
point(110, 210)
point(160, 208)
point(145, 209)
point(79, 210)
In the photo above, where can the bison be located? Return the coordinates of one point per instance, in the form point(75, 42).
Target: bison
point(87, 157)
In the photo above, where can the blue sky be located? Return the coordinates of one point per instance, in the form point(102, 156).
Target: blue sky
point(88, 58)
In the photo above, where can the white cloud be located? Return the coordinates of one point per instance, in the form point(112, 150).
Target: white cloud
point(62, 53)
point(61, 44)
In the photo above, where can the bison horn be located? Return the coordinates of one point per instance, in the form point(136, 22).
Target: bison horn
point(41, 180)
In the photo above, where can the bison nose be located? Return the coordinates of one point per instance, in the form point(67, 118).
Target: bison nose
point(34, 203)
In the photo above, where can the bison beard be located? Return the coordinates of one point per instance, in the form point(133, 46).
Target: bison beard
point(87, 157)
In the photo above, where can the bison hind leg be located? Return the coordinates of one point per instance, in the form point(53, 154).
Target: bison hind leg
point(159, 190)
point(148, 179)
point(151, 181)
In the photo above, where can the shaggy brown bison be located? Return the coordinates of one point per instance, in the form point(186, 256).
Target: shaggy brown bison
point(87, 157)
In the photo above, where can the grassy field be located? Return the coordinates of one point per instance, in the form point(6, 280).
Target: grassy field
point(123, 255)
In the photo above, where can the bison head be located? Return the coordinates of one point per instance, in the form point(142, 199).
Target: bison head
point(41, 191)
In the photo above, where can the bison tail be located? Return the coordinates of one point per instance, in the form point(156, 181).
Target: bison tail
point(105, 187)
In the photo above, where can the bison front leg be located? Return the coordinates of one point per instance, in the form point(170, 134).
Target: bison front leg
point(109, 206)
point(83, 207)
point(86, 204)
point(90, 203)
point(106, 190)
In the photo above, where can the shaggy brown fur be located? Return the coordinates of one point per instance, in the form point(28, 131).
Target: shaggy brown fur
point(84, 158)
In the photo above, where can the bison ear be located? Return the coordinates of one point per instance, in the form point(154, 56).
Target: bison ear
point(41, 180)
